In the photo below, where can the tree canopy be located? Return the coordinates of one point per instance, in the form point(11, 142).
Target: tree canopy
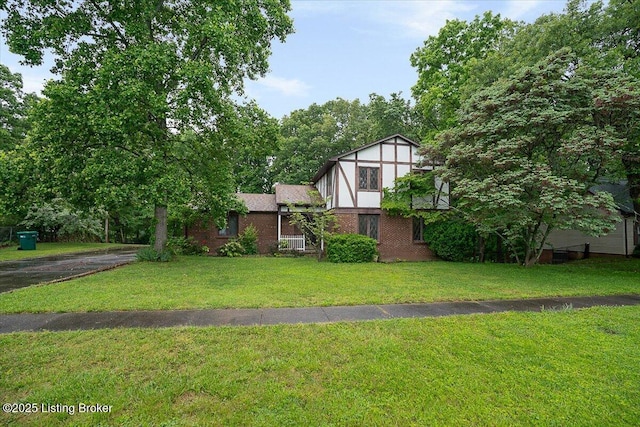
point(444, 63)
point(312, 136)
point(145, 90)
point(16, 163)
point(528, 148)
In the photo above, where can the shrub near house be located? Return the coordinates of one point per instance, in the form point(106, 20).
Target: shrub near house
point(351, 248)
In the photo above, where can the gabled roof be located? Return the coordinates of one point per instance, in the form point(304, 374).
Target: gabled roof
point(259, 202)
point(296, 194)
point(332, 161)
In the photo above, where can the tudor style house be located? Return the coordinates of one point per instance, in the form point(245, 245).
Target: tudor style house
point(352, 185)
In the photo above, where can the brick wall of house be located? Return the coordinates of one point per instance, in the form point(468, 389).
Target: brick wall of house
point(265, 222)
point(395, 239)
point(395, 242)
point(267, 225)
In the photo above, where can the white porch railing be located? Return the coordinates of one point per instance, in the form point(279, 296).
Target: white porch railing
point(293, 242)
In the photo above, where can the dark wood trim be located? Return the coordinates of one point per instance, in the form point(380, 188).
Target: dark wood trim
point(356, 185)
point(375, 162)
point(363, 211)
point(344, 175)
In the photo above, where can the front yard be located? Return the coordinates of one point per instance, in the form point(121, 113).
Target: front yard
point(575, 367)
point(566, 367)
point(205, 282)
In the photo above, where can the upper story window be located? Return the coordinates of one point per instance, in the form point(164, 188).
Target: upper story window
point(231, 230)
point(369, 179)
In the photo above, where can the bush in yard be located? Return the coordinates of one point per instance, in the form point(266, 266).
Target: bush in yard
point(186, 246)
point(59, 221)
point(232, 248)
point(249, 240)
point(351, 248)
point(451, 240)
point(151, 255)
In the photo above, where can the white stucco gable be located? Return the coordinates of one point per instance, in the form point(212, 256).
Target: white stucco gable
point(355, 179)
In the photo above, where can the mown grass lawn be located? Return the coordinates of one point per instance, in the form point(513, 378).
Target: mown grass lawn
point(205, 282)
point(47, 249)
point(575, 367)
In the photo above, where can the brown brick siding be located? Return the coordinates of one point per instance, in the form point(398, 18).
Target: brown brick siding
point(265, 222)
point(396, 235)
point(267, 225)
point(395, 240)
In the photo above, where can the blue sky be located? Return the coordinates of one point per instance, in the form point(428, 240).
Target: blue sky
point(347, 48)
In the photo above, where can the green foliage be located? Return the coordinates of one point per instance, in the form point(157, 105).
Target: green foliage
point(351, 248)
point(316, 223)
point(20, 179)
point(313, 135)
point(528, 148)
point(248, 239)
point(231, 249)
point(144, 110)
point(186, 246)
point(13, 114)
point(59, 221)
point(451, 240)
point(443, 65)
point(416, 195)
point(151, 255)
point(602, 36)
point(245, 244)
point(257, 138)
point(636, 251)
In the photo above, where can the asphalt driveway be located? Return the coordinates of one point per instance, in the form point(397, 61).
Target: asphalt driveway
point(22, 273)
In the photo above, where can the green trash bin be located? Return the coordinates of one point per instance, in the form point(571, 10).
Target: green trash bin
point(28, 240)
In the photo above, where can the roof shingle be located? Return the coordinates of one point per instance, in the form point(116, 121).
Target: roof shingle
point(296, 194)
point(259, 202)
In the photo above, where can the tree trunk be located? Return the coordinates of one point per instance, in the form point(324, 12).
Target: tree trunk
point(161, 228)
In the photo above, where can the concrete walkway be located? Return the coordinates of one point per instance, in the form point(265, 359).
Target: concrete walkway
point(272, 316)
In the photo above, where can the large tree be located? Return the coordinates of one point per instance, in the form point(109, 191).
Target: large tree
point(528, 148)
point(444, 62)
point(13, 109)
point(313, 135)
point(605, 37)
point(619, 36)
point(147, 87)
point(17, 170)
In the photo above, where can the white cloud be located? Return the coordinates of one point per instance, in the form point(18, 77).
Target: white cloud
point(286, 87)
point(518, 10)
point(420, 19)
